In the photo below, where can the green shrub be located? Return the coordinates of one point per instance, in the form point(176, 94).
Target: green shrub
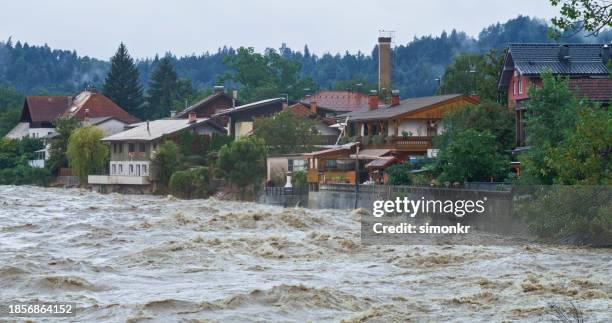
point(278, 177)
point(166, 162)
point(299, 179)
point(420, 180)
point(378, 139)
point(366, 140)
point(243, 163)
point(399, 174)
point(218, 140)
point(192, 183)
point(574, 214)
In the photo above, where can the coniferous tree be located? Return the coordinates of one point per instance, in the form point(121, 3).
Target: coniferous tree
point(163, 89)
point(121, 84)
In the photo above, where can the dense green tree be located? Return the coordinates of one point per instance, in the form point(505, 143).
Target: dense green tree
point(14, 156)
point(218, 140)
point(166, 161)
point(163, 90)
point(262, 76)
point(287, 132)
point(191, 183)
point(121, 84)
point(243, 163)
point(11, 102)
point(584, 156)
point(591, 16)
point(579, 214)
point(474, 74)
point(552, 111)
point(185, 94)
point(359, 83)
point(487, 116)
point(86, 154)
point(472, 156)
point(59, 144)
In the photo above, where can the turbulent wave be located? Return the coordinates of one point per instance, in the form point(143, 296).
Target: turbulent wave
point(151, 258)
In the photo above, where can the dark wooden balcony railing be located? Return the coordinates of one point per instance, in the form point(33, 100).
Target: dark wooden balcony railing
point(409, 143)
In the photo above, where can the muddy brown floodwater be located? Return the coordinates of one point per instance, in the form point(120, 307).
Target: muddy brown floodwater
point(139, 258)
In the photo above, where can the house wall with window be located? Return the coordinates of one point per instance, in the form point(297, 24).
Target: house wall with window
point(280, 165)
point(131, 150)
point(518, 88)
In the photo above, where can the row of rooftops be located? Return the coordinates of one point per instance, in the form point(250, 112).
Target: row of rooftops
point(527, 59)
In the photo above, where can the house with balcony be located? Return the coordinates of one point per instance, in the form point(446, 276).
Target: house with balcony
point(382, 135)
point(586, 66)
point(132, 151)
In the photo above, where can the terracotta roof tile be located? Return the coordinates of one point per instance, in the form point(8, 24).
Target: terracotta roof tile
point(339, 101)
point(99, 106)
point(49, 108)
point(44, 108)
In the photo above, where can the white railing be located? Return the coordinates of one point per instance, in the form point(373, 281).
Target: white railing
point(117, 179)
point(37, 163)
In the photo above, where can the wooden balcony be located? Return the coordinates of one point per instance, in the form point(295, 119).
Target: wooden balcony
point(331, 176)
point(409, 143)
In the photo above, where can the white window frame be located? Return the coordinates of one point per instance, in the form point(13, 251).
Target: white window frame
point(520, 86)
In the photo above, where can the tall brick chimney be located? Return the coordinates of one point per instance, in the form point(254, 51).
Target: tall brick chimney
point(193, 117)
point(373, 100)
point(395, 98)
point(313, 107)
point(384, 61)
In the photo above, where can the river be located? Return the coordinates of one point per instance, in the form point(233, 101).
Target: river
point(149, 258)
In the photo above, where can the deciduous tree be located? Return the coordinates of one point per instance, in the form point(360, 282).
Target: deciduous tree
point(472, 156)
point(287, 132)
point(166, 161)
point(243, 163)
point(591, 16)
point(86, 153)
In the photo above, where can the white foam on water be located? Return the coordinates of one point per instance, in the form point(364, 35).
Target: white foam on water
point(134, 257)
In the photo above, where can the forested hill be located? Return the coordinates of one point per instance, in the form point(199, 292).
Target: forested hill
point(417, 64)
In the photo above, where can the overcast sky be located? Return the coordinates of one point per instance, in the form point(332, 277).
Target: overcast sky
point(95, 28)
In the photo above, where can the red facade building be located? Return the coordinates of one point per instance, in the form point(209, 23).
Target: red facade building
point(584, 64)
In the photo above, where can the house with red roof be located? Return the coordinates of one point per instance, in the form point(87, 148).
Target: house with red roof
point(39, 113)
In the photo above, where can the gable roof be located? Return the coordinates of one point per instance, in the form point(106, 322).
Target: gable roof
point(156, 129)
point(531, 59)
point(249, 106)
point(49, 108)
point(206, 100)
point(338, 101)
point(405, 106)
point(44, 108)
point(99, 106)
